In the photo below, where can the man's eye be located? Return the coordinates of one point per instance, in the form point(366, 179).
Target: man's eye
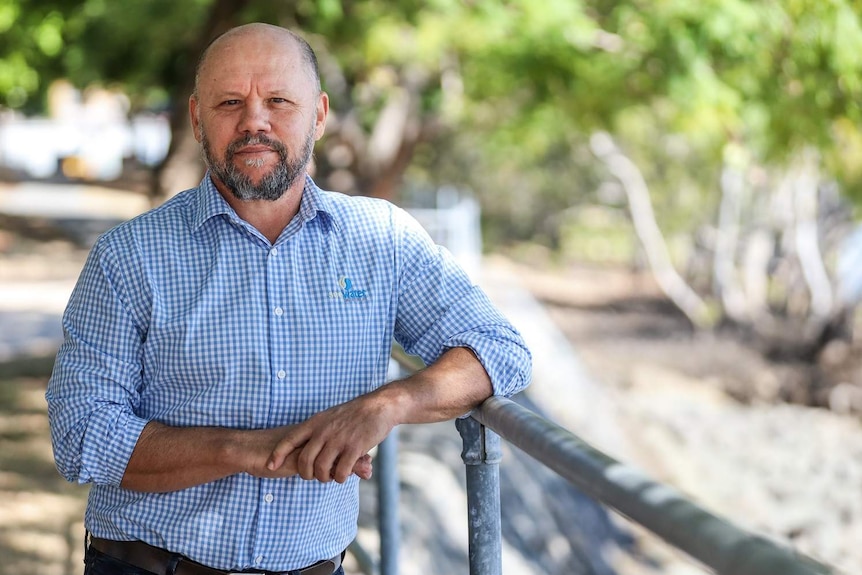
point(278, 100)
point(230, 103)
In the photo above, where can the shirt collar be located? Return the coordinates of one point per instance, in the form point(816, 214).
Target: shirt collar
point(210, 203)
point(314, 203)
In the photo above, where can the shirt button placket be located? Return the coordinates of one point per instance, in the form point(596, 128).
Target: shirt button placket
point(279, 312)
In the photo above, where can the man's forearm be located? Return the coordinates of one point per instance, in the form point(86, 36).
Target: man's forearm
point(450, 387)
point(173, 458)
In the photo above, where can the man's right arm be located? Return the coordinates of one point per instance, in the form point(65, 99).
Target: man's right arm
point(169, 458)
point(97, 378)
point(95, 388)
point(172, 458)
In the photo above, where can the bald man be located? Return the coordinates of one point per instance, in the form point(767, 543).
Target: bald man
point(222, 376)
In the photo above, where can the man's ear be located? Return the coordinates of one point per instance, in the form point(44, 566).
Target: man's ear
point(194, 116)
point(322, 113)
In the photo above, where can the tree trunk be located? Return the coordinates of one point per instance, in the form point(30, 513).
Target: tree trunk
point(805, 195)
point(733, 300)
point(755, 265)
point(647, 230)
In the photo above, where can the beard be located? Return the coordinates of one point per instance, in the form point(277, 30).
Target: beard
point(274, 183)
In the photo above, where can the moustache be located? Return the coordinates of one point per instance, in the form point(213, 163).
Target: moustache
point(249, 140)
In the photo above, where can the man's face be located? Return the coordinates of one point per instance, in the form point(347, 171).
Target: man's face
point(257, 114)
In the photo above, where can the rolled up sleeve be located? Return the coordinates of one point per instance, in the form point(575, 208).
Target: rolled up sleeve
point(439, 308)
point(95, 385)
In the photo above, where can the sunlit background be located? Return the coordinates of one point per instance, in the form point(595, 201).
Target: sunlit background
point(661, 195)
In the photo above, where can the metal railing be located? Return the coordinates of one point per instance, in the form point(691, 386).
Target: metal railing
point(716, 543)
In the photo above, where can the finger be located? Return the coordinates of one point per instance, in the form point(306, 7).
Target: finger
point(307, 457)
point(293, 440)
point(362, 463)
point(363, 468)
point(287, 469)
point(325, 464)
point(343, 468)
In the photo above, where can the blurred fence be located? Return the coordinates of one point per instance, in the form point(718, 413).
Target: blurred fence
point(455, 223)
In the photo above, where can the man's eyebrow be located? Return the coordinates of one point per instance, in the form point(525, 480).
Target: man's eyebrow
point(280, 91)
point(227, 94)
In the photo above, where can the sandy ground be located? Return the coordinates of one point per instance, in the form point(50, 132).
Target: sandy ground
point(701, 413)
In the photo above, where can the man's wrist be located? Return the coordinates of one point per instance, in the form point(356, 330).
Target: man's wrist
point(236, 450)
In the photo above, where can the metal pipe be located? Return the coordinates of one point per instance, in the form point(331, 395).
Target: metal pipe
point(715, 542)
point(481, 455)
point(388, 489)
point(363, 558)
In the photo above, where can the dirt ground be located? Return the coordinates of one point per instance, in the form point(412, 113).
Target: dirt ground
point(41, 516)
point(709, 414)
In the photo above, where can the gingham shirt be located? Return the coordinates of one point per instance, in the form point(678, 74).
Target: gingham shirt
point(187, 315)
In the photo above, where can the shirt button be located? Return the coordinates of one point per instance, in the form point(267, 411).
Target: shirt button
point(268, 497)
point(258, 560)
point(273, 252)
point(281, 374)
point(279, 311)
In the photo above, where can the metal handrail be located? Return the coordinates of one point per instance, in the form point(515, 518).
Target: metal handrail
point(715, 542)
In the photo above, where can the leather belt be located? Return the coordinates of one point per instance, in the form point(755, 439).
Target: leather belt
point(160, 561)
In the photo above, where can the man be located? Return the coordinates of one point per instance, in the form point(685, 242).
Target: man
point(220, 383)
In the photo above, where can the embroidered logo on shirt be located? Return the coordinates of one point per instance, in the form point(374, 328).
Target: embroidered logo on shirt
point(348, 290)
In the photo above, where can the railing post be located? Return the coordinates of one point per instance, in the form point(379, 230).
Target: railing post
point(388, 490)
point(481, 455)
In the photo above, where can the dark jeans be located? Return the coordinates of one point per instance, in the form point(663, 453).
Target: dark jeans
point(97, 563)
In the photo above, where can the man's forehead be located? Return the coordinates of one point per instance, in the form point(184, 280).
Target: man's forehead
point(238, 61)
point(259, 53)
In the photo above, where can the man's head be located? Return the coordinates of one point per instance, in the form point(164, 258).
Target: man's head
point(257, 110)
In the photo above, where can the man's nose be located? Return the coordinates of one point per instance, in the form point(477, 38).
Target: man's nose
point(255, 117)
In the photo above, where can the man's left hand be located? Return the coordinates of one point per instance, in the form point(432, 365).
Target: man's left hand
point(331, 442)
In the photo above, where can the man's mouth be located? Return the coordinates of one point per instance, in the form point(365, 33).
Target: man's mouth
point(259, 149)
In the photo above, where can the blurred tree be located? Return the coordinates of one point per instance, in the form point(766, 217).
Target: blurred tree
point(712, 111)
point(383, 67)
point(756, 88)
point(709, 105)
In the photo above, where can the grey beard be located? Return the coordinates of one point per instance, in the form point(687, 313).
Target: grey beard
point(272, 185)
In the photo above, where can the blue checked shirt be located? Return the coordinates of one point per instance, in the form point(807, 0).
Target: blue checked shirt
point(187, 315)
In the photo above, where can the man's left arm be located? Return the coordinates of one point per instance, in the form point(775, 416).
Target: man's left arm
point(330, 442)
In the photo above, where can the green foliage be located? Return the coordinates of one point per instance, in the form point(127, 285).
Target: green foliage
point(515, 86)
point(138, 44)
